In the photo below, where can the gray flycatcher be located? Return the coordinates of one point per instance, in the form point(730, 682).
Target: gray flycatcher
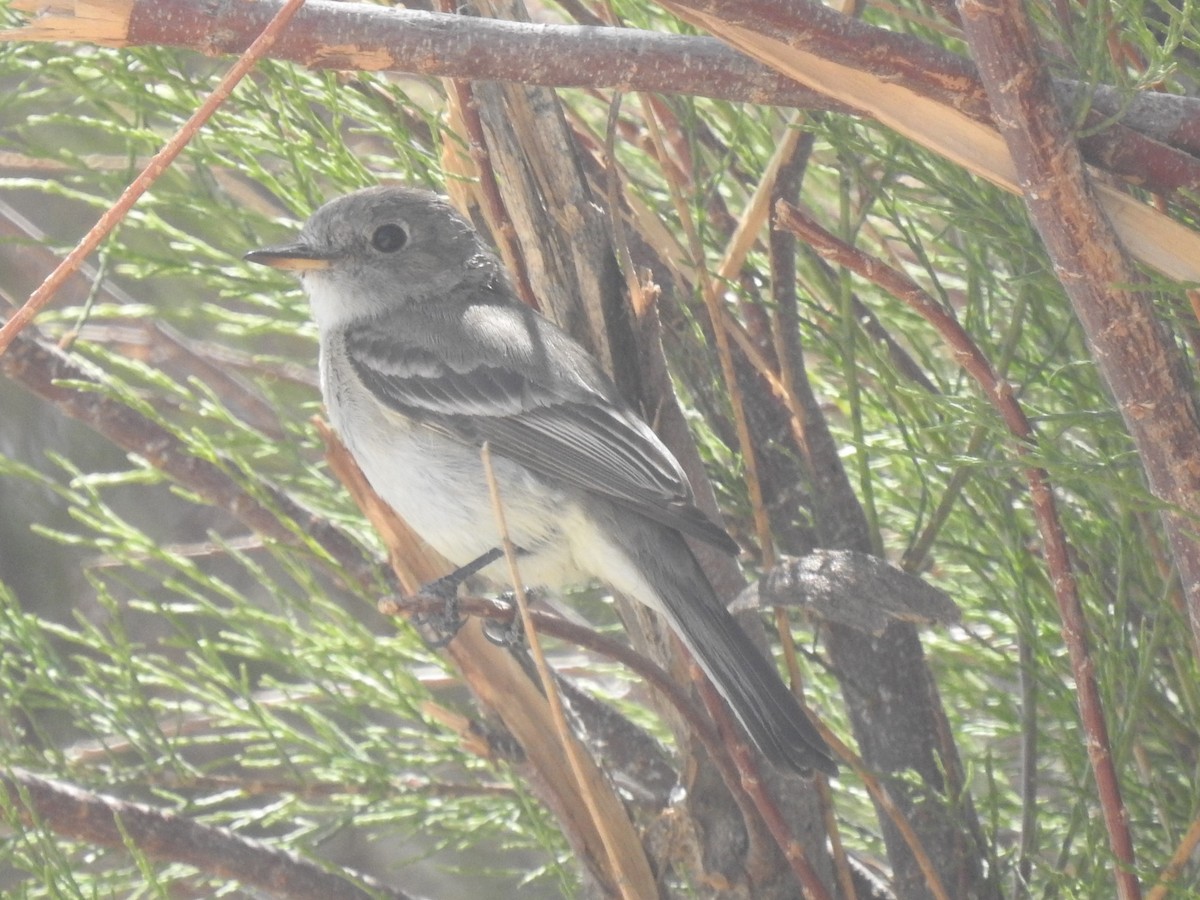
point(426, 353)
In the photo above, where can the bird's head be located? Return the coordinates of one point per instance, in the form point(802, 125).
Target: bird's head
point(378, 249)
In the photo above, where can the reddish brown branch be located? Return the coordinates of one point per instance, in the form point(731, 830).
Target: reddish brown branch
point(1129, 344)
point(825, 32)
point(967, 354)
point(330, 35)
point(764, 801)
point(952, 80)
point(965, 351)
point(105, 821)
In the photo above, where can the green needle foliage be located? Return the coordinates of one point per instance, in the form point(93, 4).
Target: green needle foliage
point(153, 650)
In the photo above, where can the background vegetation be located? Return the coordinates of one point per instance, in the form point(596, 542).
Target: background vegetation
point(155, 647)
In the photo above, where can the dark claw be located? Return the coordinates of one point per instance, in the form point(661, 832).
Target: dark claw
point(446, 622)
point(512, 633)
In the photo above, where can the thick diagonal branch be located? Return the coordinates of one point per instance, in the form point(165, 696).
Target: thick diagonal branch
point(1110, 296)
point(161, 835)
point(1113, 303)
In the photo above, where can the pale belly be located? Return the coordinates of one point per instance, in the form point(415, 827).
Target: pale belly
point(438, 486)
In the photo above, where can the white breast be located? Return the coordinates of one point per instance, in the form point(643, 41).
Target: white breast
point(437, 484)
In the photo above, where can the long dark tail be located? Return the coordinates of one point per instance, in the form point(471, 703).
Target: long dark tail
point(749, 683)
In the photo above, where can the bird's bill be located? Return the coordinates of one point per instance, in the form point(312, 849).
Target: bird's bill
point(293, 257)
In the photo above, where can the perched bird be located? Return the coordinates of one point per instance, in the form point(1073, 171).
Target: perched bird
point(426, 353)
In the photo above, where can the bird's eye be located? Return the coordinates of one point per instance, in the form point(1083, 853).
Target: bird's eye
point(389, 238)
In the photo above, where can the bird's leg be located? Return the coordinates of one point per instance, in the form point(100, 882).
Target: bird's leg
point(512, 634)
point(448, 621)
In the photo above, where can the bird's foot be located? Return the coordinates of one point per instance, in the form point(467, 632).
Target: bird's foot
point(512, 634)
point(446, 622)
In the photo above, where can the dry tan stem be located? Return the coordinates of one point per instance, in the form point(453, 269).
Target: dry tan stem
point(464, 108)
point(1179, 860)
point(499, 683)
point(758, 209)
point(712, 301)
point(626, 859)
point(653, 674)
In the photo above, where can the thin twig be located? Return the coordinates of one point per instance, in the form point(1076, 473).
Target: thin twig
point(718, 750)
point(49, 373)
point(712, 302)
point(793, 852)
point(764, 802)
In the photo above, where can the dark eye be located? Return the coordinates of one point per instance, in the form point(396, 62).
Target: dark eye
point(389, 238)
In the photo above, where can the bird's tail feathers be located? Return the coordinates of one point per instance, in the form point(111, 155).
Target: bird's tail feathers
point(750, 684)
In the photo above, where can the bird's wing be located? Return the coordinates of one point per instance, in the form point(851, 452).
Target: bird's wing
point(536, 397)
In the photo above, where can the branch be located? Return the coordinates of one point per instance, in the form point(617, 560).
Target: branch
point(1130, 346)
point(1128, 343)
point(953, 81)
point(857, 590)
point(968, 355)
point(356, 36)
point(739, 771)
point(368, 38)
point(792, 36)
point(105, 821)
point(54, 376)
